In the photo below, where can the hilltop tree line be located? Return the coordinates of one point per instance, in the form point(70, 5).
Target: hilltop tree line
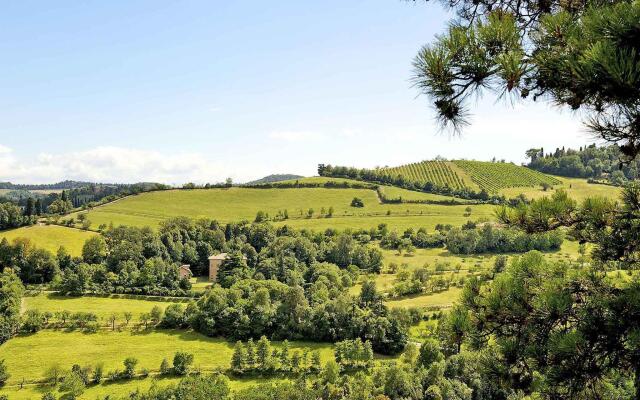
point(591, 162)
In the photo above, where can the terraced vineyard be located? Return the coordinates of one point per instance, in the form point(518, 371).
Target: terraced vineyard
point(493, 176)
point(440, 173)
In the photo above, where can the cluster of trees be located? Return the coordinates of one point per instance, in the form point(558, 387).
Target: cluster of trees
point(592, 162)
point(317, 307)
point(141, 261)
point(261, 358)
point(12, 216)
point(488, 239)
point(11, 290)
point(381, 177)
point(34, 320)
point(422, 280)
point(412, 239)
point(354, 354)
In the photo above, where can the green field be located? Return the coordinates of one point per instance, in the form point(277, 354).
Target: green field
point(493, 176)
point(29, 356)
point(51, 237)
point(578, 189)
point(234, 204)
point(103, 307)
point(118, 390)
point(396, 193)
point(441, 173)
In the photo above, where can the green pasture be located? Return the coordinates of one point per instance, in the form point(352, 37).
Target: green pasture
point(234, 204)
point(29, 356)
point(578, 189)
point(119, 389)
point(51, 237)
point(103, 307)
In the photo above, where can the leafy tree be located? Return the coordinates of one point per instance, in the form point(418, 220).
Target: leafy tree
point(130, 367)
point(73, 384)
point(182, 362)
point(4, 373)
point(165, 368)
point(238, 359)
point(156, 314)
point(94, 250)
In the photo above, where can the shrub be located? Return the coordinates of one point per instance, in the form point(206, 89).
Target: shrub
point(182, 362)
point(357, 202)
point(129, 367)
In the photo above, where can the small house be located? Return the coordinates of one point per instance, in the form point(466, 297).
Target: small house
point(214, 265)
point(184, 272)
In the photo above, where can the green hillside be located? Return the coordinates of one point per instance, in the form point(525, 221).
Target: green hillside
point(441, 173)
point(493, 176)
point(234, 204)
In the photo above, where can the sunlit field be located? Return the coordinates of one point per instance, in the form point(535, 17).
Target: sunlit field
point(51, 237)
point(235, 204)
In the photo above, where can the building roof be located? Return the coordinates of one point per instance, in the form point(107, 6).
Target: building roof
point(222, 256)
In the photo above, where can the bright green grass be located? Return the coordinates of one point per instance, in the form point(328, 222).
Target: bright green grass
point(103, 307)
point(394, 192)
point(242, 203)
point(51, 237)
point(29, 356)
point(493, 176)
point(120, 389)
point(578, 189)
point(440, 300)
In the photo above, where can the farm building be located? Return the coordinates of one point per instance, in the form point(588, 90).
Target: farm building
point(214, 265)
point(184, 272)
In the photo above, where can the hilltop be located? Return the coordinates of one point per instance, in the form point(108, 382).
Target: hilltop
point(273, 178)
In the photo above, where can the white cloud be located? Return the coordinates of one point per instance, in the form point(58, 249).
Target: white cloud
point(111, 164)
point(295, 136)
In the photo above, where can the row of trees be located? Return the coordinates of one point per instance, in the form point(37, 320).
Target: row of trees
point(12, 216)
point(487, 239)
point(74, 381)
point(262, 359)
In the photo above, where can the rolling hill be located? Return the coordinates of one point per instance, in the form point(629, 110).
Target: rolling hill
point(455, 177)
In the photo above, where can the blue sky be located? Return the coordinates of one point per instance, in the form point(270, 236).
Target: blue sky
point(201, 90)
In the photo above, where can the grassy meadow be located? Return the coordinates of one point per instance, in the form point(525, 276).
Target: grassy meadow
point(578, 189)
point(234, 204)
point(51, 237)
point(103, 307)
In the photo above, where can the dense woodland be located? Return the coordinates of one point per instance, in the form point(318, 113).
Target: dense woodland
point(596, 163)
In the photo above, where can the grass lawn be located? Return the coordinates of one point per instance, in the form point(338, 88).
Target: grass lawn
point(235, 204)
point(119, 389)
point(440, 300)
point(578, 189)
point(29, 356)
point(51, 237)
point(101, 306)
point(394, 192)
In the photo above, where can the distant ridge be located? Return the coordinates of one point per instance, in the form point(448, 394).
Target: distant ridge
point(45, 186)
point(274, 178)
